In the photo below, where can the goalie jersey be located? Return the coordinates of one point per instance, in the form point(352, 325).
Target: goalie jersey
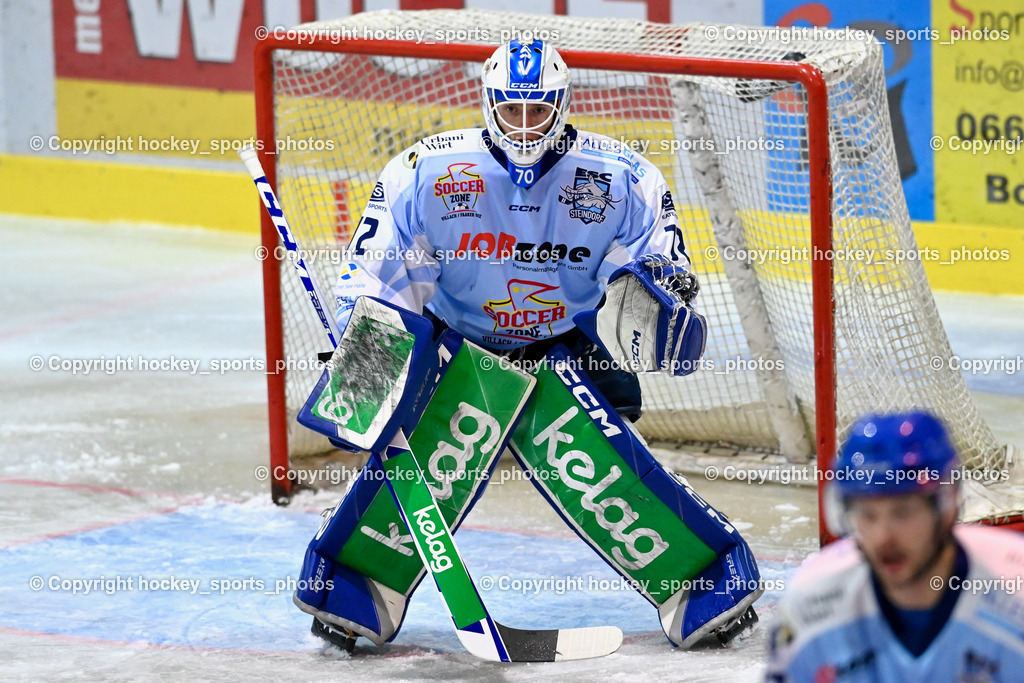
point(830, 627)
point(506, 260)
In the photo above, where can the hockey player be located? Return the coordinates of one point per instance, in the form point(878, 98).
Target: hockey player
point(516, 236)
point(910, 595)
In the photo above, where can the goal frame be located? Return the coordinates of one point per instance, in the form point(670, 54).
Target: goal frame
point(820, 206)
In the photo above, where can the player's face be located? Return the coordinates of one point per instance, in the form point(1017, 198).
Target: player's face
point(525, 121)
point(897, 535)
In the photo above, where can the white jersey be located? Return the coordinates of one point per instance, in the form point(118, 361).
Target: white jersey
point(829, 626)
point(506, 263)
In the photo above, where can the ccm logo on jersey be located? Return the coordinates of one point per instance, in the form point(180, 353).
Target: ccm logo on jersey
point(524, 208)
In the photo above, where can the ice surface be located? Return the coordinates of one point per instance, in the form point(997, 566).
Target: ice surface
point(122, 473)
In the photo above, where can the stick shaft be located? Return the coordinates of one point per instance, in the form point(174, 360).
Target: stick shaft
point(256, 172)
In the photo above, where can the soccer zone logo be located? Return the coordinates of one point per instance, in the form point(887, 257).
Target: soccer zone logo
point(589, 196)
point(460, 191)
point(525, 313)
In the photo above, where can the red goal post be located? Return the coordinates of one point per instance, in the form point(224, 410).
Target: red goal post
point(317, 71)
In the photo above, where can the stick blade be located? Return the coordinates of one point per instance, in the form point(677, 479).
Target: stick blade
point(507, 644)
point(586, 643)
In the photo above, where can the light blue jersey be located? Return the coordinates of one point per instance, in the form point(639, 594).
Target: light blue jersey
point(507, 261)
point(829, 626)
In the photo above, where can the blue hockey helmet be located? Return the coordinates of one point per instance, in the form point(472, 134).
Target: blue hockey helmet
point(885, 455)
point(520, 80)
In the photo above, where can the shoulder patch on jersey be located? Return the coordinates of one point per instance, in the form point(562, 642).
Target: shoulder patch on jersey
point(668, 207)
point(409, 159)
point(605, 148)
point(589, 195)
point(378, 192)
point(626, 151)
point(450, 142)
point(443, 140)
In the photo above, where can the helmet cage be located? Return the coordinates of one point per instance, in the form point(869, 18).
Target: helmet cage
point(515, 136)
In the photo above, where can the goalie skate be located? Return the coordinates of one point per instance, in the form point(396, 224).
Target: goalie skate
point(745, 621)
point(335, 635)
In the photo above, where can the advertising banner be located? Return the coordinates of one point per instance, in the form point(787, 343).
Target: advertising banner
point(978, 81)
point(903, 30)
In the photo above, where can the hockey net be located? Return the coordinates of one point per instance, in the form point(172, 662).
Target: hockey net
point(777, 149)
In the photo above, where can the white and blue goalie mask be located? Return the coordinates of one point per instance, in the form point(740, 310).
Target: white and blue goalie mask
point(526, 92)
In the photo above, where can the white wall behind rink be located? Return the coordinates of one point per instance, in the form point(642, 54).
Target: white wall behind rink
point(27, 104)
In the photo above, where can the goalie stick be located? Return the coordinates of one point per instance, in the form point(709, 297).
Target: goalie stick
point(477, 631)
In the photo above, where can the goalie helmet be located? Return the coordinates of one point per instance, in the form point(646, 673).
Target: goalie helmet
point(526, 93)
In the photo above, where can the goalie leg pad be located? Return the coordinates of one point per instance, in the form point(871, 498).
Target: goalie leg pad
point(641, 519)
point(361, 600)
point(349, 600)
point(715, 601)
point(364, 547)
